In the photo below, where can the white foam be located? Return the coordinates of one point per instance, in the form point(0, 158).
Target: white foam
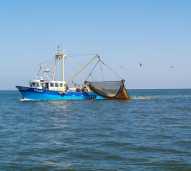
point(142, 97)
point(25, 99)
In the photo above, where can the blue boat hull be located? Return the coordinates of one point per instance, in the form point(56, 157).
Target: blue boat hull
point(29, 93)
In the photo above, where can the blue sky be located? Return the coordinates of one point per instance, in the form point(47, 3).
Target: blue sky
point(155, 33)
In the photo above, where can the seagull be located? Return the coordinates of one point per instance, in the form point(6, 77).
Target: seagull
point(171, 66)
point(140, 65)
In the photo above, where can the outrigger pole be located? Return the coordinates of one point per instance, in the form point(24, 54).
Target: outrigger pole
point(96, 57)
point(99, 60)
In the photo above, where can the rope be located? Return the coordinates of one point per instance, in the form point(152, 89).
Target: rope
point(76, 74)
point(117, 74)
point(101, 70)
point(90, 74)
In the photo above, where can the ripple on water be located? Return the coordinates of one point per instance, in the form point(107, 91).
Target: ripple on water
point(150, 132)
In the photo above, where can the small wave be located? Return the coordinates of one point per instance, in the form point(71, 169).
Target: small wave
point(25, 100)
point(161, 97)
point(142, 97)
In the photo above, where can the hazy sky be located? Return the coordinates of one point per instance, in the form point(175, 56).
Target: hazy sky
point(156, 33)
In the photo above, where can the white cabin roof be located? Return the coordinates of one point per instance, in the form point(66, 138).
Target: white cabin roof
point(55, 81)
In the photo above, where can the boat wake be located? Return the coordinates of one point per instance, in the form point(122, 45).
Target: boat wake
point(161, 97)
point(26, 100)
point(142, 97)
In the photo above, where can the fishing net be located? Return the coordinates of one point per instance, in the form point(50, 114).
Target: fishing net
point(109, 89)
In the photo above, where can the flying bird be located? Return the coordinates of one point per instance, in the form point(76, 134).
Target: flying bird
point(171, 66)
point(140, 65)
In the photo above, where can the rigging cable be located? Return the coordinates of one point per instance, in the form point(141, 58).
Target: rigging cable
point(117, 74)
point(101, 71)
point(90, 74)
point(76, 74)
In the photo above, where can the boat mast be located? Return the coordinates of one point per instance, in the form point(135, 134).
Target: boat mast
point(60, 56)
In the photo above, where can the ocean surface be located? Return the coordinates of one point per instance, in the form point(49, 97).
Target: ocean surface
point(151, 132)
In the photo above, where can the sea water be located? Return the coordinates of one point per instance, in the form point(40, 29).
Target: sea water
point(150, 132)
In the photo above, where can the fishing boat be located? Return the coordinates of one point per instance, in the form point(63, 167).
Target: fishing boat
point(45, 89)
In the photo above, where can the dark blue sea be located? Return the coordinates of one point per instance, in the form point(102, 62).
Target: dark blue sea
point(151, 132)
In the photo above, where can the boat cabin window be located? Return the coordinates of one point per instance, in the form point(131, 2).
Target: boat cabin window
point(46, 85)
point(33, 84)
point(56, 84)
point(42, 84)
